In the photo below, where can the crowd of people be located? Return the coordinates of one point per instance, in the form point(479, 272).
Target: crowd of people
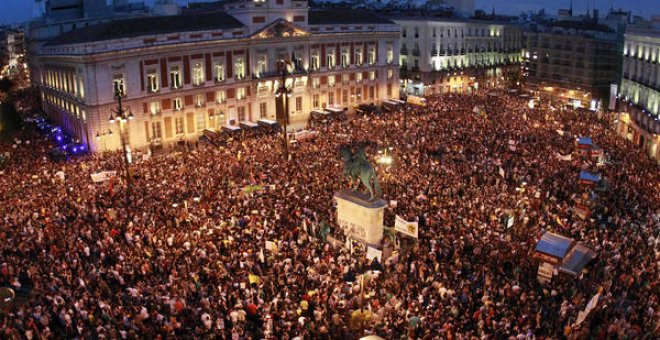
point(230, 242)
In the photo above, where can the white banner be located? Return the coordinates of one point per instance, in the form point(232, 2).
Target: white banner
point(405, 227)
point(373, 253)
point(103, 176)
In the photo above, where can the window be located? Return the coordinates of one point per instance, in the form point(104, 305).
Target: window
point(434, 32)
point(331, 98)
point(315, 61)
point(372, 92)
point(358, 56)
point(330, 57)
point(315, 101)
point(152, 81)
point(372, 75)
point(316, 82)
point(240, 68)
point(156, 130)
point(219, 72)
point(358, 77)
point(221, 96)
point(177, 104)
point(298, 104)
point(331, 80)
point(175, 77)
point(404, 32)
point(118, 85)
point(199, 100)
point(240, 93)
point(371, 56)
point(154, 107)
point(201, 121)
point(198, 74)
point(345, 78)
point(389, 90)
point(390, 74)
point(263, 110)
point(261, 65)
point(241, 113)
point(344, 96)
point(344, 57)
point(416, 32)
point(178, 125)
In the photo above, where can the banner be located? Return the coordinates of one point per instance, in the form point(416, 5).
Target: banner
point(582, 315)
point(103, 176)
point(405, 227)
point(415, 100)
point(373, 253)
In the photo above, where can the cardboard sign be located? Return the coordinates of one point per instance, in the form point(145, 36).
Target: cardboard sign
point(373, 253)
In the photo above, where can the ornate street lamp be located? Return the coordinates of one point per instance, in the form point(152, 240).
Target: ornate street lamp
point(122, 116)
point(284, 93)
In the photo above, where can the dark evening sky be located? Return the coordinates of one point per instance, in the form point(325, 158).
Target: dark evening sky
point(15, 11)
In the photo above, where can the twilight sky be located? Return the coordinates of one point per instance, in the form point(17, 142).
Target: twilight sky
point(14, 11)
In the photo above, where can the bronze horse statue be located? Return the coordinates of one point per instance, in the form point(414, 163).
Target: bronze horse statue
point(357, 167)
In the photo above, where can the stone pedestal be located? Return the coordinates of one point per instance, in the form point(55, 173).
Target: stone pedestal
point(360, 217)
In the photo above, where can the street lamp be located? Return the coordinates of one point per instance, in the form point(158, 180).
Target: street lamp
point(284, 93)
point(122, 116)
point(386, 161)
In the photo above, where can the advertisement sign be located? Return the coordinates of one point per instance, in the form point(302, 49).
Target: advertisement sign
point(405, 227)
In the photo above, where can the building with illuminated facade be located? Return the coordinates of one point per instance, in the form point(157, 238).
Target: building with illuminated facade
point(640, 90)
point(182, 74)
point(442, 55)
point(577, 61)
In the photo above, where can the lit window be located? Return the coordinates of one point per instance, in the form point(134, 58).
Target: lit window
point(358, 56)
point(219, 72)
point(261, 65)
point(372, 75)
point(358, 77)
point(154, 107)
point(178, 125)
point(330, 58)
point(298, 104)
point(344, 57)
point(371, 56)
point(178, 104)
point(331, 80)
point(175, 77)
point(316, 82)
point(390, 54)
point(263, 110)
point(198, 74)
point(390, 74)
point(240, 68)
point(118, 85)
point(240, 93)
point(315, 101)
point(315, 61)
point(199, 100)
point(345, 78)
point(152, 81)
point(221, 96)
point(201, 121)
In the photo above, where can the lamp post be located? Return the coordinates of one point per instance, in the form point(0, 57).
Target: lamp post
point(122, 116)
point(386, 161)
point(284, 93)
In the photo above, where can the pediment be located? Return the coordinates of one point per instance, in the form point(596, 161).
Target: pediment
point(280, 29)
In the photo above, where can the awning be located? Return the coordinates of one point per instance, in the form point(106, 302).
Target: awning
point(248, 125)
point(585, 142)
point(231, 128)
point(554, 245)
point(334, 109)
point(589, 177)
point(577, 259)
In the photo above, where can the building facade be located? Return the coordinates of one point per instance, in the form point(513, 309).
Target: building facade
point(575, 60)
point(640, 90)
point(182, 74)
point(456, 55)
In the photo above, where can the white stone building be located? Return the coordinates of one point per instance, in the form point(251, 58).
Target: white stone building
point(186, 73)
point(640, 90)
point(441, 55)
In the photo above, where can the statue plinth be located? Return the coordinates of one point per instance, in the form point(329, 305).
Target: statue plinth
point(360, 217)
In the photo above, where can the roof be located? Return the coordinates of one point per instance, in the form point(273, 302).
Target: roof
point(135, 27)
point(329, 17)
point(582, 25)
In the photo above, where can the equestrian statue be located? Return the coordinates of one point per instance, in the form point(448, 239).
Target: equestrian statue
point(358, 168)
